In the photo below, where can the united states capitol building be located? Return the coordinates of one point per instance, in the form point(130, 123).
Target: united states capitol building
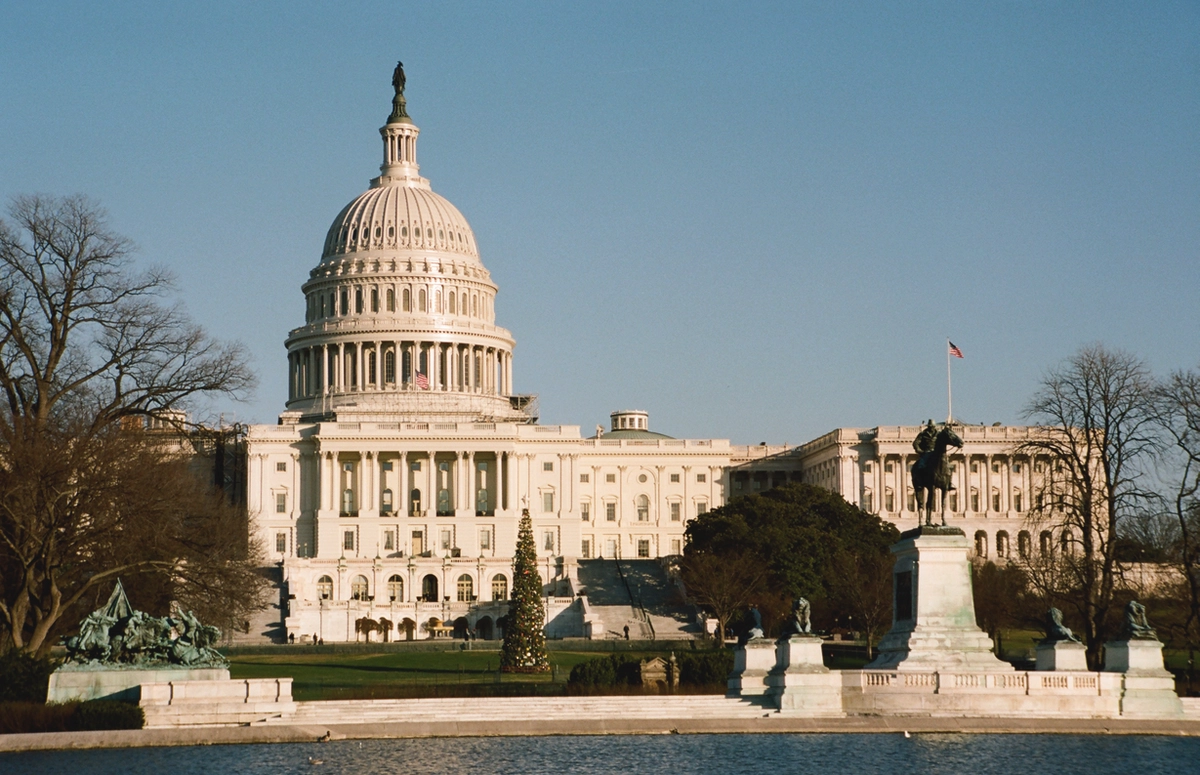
point(394, 481)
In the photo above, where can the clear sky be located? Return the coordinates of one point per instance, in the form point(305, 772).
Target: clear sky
point(756, 221)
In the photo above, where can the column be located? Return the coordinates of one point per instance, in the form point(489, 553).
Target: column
point(402, 509)
point(367, 481)
point(296, 504)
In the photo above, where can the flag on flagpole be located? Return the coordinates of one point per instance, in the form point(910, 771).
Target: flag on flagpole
point(423, 381)
point(957, 353)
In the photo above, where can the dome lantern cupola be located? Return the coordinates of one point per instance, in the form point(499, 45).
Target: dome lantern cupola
point(399, 140)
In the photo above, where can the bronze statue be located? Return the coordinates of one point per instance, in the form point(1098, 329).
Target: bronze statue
point(801, 621)
point(932, 471)
point(1136, 625)
point(1056, 631)
point(755, 629)
point(398, 80)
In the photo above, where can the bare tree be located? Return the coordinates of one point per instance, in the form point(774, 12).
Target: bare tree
point(864, 583)
point(1097, 411)
point(88, 351)
point(1179, 415)
point(724, 584)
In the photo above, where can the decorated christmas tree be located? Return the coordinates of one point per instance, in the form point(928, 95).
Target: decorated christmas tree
point(524, 649)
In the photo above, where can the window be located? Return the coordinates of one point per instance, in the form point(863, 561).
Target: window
point(642, 478)
point(548, 466)
point(643, 547)
point(912, 501)
point(548, 502)
point(676, 546)
point(389, 366)
point(358, 588)
point(395, 588)
point(701, 478)
point(1002, 544)
point(995, 468)
point(585, 511)
point(358, 300)
point(585, 478)
point(995, 501)
point(499, 587)
point(281, 542)
point(466, 589)
point(391, 300)
point(345, 302)
point(1024, 544)
point(421, 300)
point(953, 501)
point(453, 305)
point(643, 508)
point(981, 544)
point(586, 549)
point(974, 468)
point(1016, 468)
point(548, 540)
point(485, 538)
point(674, 478)
point(1045, 543)
point(387, 465)
point(374, 299)
point(281, 503)
point(889, 500)
point(1016, 500)
point(347, 501)
point(406, 300)
point(610, 478)
point(325, 588)
point(348, 540)
point(889, 468)
point(701, 507)
point(610, 512)
point(281, 467)
point(445, 539)
point(389, 540)
point(868, 503)
point(974, 499)
point(675, 509)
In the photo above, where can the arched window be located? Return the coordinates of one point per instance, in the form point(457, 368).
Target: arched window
point(1002, 544)
point(643, 508)
point(347, 501)
point(981, 544)
point(345, 302)
point(358, 301)
point(374, 299)
point(1068, 542)
point(437, 302)
point(406, 300)
point(1046, 543)
point(1024, 544)
point(453, 310)
point(385, 500)
point(429, 589)
point(371, 368)
point(389, 366)
point(395, 589)
point(499, 587)
point(358, 588)
point(415, 501)
point(325, 588)
point(474, 306)
point(421, 300)
point(466, 589)
point(391, 300)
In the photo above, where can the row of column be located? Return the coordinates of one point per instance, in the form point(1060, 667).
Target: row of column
point(1003, 482)
point(344, 366)
point(416, 492)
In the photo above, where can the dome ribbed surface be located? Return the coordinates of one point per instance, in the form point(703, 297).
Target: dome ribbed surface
point(394, 217)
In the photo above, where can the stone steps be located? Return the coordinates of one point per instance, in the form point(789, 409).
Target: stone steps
point(522, 709)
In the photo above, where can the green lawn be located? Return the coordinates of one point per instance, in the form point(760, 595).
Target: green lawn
point(404, 674)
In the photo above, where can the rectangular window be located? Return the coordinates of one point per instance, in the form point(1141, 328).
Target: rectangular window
point(1017, 502)
point(281, 542)
point(701, 508)
point(585, 511)
point(889, 468)
point(675, 512)
point(585, 549)
point(281, 466)
point(1016, 468)
point(975, 501)
point(974, 468)
point(348, 540)
point(415, 466)
point(445, 539)
point(610, 478)
point(485, 539)
point(548, 502)
point(389, 540)
point(610, 547)
point(610, 512)
point(548, 540)
point(643, 547)
point(281, 503)
point(674, 478)
point(348, 467)
point(676, 546)
point(995, 501)
point(548, 466)
point(387, 465)
point(995, 468)
point(701, 478)
point(585, 478)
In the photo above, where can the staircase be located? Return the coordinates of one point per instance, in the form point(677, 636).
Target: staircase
point(266, 625)
point(637, 594)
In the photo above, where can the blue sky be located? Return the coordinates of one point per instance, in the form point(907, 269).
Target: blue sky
point(756, 221)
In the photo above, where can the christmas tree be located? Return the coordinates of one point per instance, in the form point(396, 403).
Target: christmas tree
point(524, 649)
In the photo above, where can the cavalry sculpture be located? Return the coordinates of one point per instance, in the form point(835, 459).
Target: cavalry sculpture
point(931, 472)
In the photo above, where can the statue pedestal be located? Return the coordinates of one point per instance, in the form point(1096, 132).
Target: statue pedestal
point(751, 663)
point(1149, 690)
point(67, 685)
point(933, 612)
point(800, 682)
point(1062, 655)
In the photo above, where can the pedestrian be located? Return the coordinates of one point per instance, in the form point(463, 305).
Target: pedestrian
point(292, 638)
point(627, 632)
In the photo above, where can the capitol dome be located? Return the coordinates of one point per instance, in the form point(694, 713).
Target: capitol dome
point(399, 311)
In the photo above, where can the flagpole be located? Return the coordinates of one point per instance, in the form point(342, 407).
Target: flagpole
point(949, 393)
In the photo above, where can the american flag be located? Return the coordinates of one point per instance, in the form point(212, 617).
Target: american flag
point(423, 381)
point(957, 353)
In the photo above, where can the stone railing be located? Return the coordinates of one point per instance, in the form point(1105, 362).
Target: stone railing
point(948, 682)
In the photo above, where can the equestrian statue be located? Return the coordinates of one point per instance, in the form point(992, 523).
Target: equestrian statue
point(931, 471)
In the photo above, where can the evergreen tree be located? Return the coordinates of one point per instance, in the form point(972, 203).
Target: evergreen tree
point(524, 649)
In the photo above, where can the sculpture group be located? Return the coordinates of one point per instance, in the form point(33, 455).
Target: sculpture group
point(931, 472)
point(117, 635)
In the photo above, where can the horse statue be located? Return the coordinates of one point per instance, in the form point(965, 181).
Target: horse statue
point(931, 472)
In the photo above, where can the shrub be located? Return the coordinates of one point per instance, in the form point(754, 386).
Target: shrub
point(24, 678)
point(22, 717)
point(705, 668)
point(612, 670)
point(106, 714)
